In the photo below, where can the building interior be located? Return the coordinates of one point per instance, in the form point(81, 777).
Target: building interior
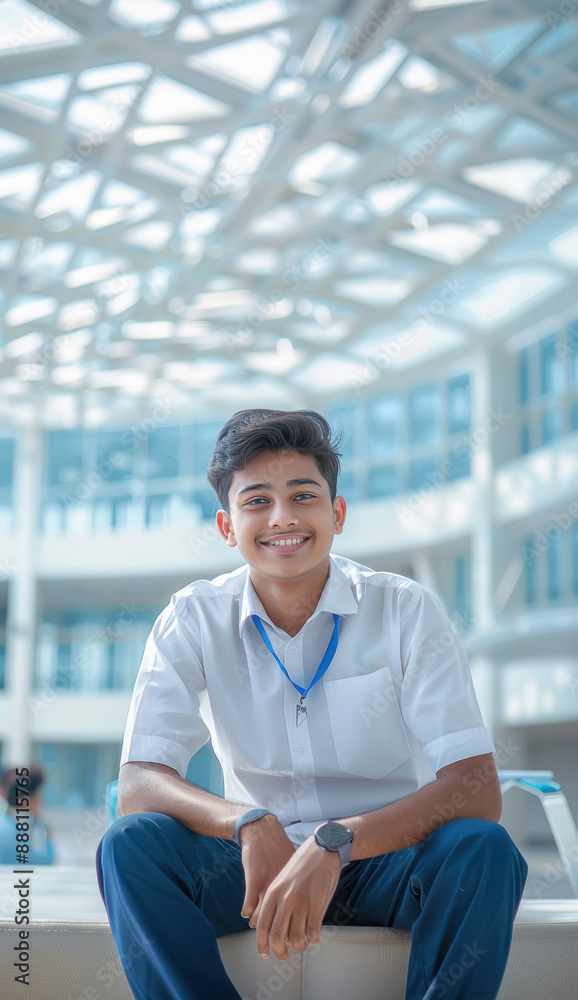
point(367, 209)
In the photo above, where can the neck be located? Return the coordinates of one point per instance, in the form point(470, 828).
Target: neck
point(290, 603)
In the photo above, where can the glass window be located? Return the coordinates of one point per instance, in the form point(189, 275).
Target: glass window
point(425, 472)
point(459, 404)
point(6, 461)
point(524, 375)
point(385, 424)
point(349, 486)
point(112, 456)
point(526, 439)
point(574, 416)
point(575, 559)
point(77, 773)
point(163, 452)
point(551, 424)
point(551, 367)
point(207, 503)
point(384, 481)
point(529, 554)
point(347, 419)
point(459, 463)
point(424, 415)
point(553, 563)
point(64, 457)
point(204, 438)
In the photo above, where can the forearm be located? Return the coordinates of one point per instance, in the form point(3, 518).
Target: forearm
point(469, 789)
point(148, 787)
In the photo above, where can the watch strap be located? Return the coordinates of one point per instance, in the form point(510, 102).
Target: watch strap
point(249, 817)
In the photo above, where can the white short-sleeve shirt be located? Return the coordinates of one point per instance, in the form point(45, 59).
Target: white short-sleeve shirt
point(396, 704)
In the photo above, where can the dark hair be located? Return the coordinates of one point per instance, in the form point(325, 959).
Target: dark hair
point(250, 432)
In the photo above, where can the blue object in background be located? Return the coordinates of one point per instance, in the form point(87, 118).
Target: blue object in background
point(204, 770)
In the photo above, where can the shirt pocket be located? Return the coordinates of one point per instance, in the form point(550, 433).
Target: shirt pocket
point(366, 723)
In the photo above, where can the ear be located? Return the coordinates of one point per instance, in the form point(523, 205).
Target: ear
point(225, 526)
point(339, 512)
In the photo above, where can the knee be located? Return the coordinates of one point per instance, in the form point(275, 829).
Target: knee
point(488, 842)
point(132, 834)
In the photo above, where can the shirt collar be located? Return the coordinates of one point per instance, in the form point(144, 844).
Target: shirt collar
point(337, 598)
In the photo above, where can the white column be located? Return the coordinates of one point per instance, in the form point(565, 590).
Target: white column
point(483, 606)
point(483, 536)
point(22, 601)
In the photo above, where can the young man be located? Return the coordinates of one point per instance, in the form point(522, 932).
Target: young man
point(360, 785)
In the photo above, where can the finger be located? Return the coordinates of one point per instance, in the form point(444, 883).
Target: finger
point(313, 931)
point(256, 914)
point(278, 937)
point(297, 937)
point(250, 901)
point(263, 925)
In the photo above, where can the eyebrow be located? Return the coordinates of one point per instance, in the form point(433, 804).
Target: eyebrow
point(290, 484)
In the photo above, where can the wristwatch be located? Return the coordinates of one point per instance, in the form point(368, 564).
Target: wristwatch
point(249, 817)
point(335, 837)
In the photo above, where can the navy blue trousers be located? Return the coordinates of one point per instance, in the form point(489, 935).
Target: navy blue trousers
point(171, 893)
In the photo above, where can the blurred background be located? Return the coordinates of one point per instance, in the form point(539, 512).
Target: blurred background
point(365, 208)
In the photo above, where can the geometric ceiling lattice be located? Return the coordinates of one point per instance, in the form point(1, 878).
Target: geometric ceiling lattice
point(262, 196)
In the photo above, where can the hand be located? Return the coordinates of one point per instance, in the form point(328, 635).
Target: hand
point(266, 850)
point(292, 911)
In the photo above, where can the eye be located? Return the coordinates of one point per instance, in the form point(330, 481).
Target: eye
point(304, 496)
point(256, 500)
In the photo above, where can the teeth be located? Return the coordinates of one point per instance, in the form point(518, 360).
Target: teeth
point(288, 541)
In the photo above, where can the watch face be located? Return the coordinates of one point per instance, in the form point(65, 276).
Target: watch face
point(335, 835)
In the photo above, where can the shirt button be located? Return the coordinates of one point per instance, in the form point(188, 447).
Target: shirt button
point(293, 645)
point(299, 749)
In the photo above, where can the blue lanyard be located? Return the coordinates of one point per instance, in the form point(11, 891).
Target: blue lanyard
point(323, 666)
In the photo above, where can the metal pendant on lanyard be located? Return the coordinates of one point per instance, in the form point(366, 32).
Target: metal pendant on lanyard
point(301, 708)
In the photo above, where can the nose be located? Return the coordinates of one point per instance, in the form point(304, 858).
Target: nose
point(283, 516)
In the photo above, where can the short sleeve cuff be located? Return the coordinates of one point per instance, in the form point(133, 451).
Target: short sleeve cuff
point(158, 750)
point(457, 746)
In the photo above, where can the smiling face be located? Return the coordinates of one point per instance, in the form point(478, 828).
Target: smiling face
point(281, 517)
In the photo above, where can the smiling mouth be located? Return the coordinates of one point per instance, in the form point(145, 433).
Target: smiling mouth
point(286, 544)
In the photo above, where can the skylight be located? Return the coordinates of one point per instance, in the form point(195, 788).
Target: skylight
point(23, 28)
point(376, 291)
point(409, 346)
point(499, 298)
point(448, 242)
point(250, 62)
point(517, 179)
point(152, 14)
point(369, 80)
point(325, 164)
point(168, 100)
point(565, 247)
point(227, 19)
